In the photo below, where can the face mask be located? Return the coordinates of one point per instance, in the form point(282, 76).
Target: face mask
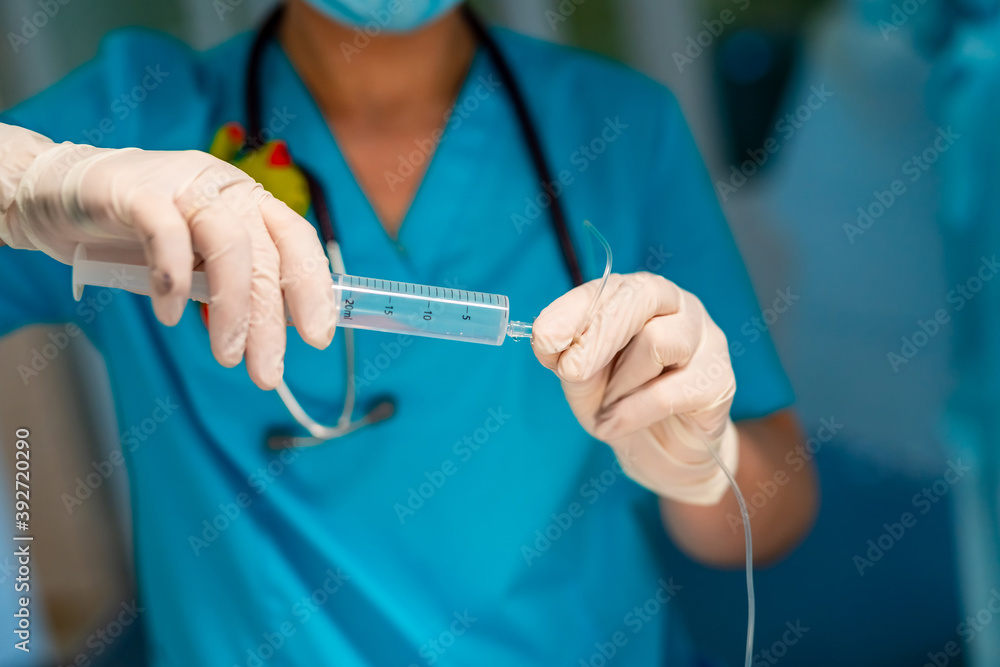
point(388, 15)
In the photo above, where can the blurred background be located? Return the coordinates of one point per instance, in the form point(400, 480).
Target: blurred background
point(804, 110)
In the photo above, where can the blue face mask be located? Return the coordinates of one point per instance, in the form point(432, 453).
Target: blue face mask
point(388, 15)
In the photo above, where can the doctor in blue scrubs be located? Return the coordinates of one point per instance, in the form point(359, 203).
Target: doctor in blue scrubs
point(497, 505)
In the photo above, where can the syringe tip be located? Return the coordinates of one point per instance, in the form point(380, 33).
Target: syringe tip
point(518, 330)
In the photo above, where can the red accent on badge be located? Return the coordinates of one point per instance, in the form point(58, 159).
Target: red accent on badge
point(280, 156)
point(235, 132)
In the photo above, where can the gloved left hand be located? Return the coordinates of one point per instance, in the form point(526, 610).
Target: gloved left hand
point(257, 252)
point(651, 377)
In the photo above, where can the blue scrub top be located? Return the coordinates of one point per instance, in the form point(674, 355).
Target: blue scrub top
point(479, 525)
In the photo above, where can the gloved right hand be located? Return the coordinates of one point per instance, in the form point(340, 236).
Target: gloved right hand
point(54, 196)
point(650, 375)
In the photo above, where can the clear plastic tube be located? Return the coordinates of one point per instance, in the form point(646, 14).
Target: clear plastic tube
point(751, 601)
point(592, 311)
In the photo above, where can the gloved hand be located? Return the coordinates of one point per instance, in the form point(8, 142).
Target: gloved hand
point(54, 196)
point(651, 377)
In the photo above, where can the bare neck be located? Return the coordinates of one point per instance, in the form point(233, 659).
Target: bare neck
point(388, 77)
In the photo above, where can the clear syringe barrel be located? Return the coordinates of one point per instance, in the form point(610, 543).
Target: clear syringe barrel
point(363, 303)
point(421, 310)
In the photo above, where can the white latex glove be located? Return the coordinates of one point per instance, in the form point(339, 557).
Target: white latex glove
point(651, 377)
point(54, 196)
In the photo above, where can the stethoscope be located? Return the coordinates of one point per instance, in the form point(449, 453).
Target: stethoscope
point(385, 407)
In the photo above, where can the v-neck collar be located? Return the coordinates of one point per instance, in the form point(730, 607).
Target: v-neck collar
point(434, 220)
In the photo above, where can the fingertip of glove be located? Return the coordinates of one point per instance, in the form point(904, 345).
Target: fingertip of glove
point(325, 339)
point(569, 369)
point(169, 309)
point(576, 364)
point(230, 349)
point(272, 377)
point(547, 339)
point(319, 331)
point(277, 375)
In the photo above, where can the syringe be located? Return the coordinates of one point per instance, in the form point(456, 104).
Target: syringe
point(364, 303)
